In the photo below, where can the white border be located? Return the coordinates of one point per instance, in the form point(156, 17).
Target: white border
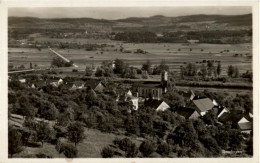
point(122, 3)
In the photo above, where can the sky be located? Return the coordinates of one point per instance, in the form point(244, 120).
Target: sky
point(112, 13)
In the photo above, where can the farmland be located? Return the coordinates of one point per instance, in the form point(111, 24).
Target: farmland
point(174, 54)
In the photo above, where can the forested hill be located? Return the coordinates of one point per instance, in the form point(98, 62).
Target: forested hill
point(158, 22)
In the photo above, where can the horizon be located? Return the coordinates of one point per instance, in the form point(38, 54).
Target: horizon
point(115, 13)
point(126, 17)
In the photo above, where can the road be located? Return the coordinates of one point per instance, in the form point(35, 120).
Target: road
point(65, 59)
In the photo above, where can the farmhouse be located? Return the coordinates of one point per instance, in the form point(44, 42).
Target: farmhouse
point(152, 89)
point(202, 105)
point(188, 113)
point(158, 105)
point(95, 85)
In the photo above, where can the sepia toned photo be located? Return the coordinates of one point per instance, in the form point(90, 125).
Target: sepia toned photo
point(130, 82)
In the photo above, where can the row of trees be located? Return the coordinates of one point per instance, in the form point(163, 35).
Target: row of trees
point(203, 70)
point(156, 70)
point(215, 37)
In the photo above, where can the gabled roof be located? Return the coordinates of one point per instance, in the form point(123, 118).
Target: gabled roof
point(153, 103)
point(246, 126)
point(234, 116)
point(93, 83)
point(40, 83)
point(203, 104)
point(67, 85)
point(78, 83)
point(185, 112)
point(218, 109)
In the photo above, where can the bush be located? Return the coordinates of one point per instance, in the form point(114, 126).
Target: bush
point(42, 155)
point(146, 148)
point(70, 151)
point(107, 152)
point(163, 149)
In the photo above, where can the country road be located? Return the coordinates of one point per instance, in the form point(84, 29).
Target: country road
point(65, 59)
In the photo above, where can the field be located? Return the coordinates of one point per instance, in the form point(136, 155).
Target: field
point(90, 147)
point(175, 55)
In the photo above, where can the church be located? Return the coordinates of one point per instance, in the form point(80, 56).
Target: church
point(151, 89)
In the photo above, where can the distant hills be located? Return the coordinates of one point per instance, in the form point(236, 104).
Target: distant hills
point(154, 23)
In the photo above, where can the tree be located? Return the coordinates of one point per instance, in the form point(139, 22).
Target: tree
point(76, 132)
point(132, 151)
point(26, 109)
point(185, 135)
point(163, 149)
point(210, 67)
point(219, 69)
point(230, 71)
point(236, 72)
point(203, 70)
point(107, 152)
point(146, 148)
point(145, 75)
point(14, 141)
point(42, 132)
point(119, 66)
point(100, 72)
point(70, 151)
point(147, 67)
point(59, 146)
point(174, 99)
point(125, 144)
point(88, 71)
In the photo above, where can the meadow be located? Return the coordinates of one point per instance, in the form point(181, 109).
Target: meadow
point(174, 55)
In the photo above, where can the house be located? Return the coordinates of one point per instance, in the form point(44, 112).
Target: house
point(246, 127)
point(22, 80)
point(134, 101)
point(69, 86)
point(202, 105)
point(60, 81)
point(220, 110)
point(79, 84)
point(234, 117)
point(188, 95)
point(127, 95)
point(158, 105)
point(188, 113)
point(242, 119)
point(152, 89)
point(95, 85)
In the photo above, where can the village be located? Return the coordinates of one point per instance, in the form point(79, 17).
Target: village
point(138, 87)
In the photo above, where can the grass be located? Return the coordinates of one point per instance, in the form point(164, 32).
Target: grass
point(91, 146)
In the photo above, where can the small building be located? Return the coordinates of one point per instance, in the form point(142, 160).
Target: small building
point(95, 85)
point(22, 80)
point(79, 84)
point(158, 105)
point(246, 127)
point(202, 105)
point(152, 89)
point(220, 110)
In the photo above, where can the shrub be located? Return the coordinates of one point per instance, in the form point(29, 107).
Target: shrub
point(163, 149)
point(146, 148)
point(107, 152)
point(70, 151)
point(14, 142)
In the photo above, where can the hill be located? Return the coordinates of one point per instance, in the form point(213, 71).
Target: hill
point(158, 21)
